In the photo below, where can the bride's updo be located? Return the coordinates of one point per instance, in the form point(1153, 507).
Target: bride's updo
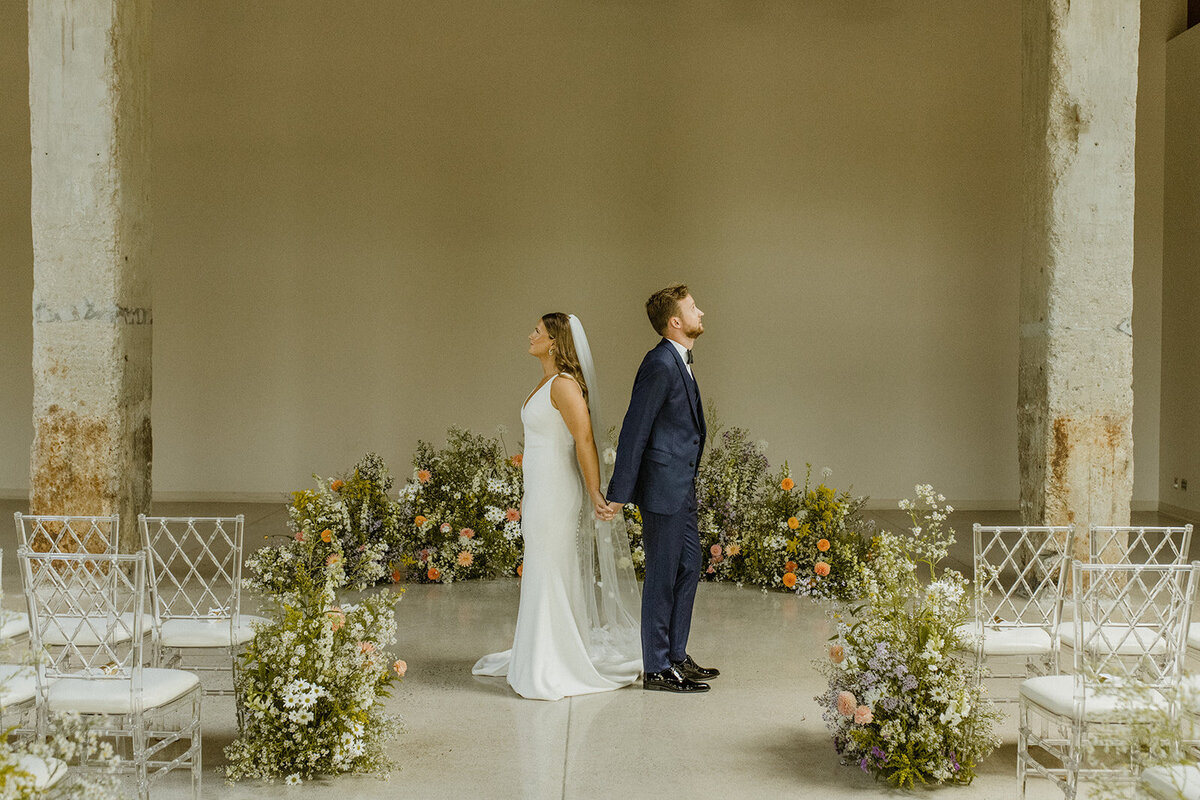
point(558, 326)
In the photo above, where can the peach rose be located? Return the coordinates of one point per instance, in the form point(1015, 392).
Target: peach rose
point(445, 527)
point(821, 568)
point(837, 654)
point(424, 554)
point(299, 537)
point(401, 667)
point(327, 536)
point(465, 559)
point(793, 523)
point(467, 533)
point(715, 549)
point(787, 484)
point(512, 515)
point(366, 647)
point(863, 715)
point(847, 703)
point(336, 618)
point(433, 574)
point(789, 579)
point(823, 545)
point(423, 475)
point(712, 570)
point(337, 485)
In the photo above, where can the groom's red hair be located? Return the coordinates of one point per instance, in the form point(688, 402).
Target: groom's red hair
point(663, 305)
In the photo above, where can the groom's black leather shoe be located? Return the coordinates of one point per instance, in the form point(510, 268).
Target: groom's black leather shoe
point(690, 669)
point(672, 680)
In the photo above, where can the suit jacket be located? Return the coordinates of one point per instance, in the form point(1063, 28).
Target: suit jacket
point(658, 454)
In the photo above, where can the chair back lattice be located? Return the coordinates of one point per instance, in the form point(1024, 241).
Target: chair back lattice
point(91, 605)
point(1018, 573)
point(1131, 622)
point(67, 534)
point(1124, 544)
point(195, 565)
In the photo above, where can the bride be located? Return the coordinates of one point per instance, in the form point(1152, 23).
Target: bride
point(578, 619)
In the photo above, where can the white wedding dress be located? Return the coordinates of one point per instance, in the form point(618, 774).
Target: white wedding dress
point(557, 651)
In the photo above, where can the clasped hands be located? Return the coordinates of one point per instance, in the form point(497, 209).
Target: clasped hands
point(604, 510)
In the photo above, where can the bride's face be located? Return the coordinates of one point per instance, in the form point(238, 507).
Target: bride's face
point(540, 341)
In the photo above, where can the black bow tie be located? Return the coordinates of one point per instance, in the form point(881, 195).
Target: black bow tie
point(689, 357)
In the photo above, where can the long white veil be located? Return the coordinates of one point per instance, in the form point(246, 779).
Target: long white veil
point(611, 595)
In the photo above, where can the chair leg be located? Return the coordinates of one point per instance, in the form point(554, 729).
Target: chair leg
point(139, 758)
point(195, 747)
point(1022, 748)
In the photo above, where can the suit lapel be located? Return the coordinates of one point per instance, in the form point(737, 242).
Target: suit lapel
point(692, 391)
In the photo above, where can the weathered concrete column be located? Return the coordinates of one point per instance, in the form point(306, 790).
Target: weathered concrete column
point(1076, 370)
point(88, 93)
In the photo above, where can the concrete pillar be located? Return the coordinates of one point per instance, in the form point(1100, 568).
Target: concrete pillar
point(1076, 366)
point(88, 93)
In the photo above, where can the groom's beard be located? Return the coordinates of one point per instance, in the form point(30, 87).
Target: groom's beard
point(694, 333)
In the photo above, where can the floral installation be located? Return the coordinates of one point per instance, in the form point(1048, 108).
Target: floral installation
point(311, 680)
point(762, 528)
point(904, 701)
point(460, 512)
point(357, 512)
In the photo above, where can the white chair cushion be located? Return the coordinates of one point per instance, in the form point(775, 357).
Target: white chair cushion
point(46, 772)
point(85, 632)
point(1022, 641)
point(17, 684)
point(1179, 782)
point(183, 632)
point(111, 696)
point(1194, 635)
point(1056, 694)
point(1142, 640)
point(13, 624)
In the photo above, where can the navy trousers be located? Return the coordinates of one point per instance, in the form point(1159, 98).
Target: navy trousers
point(673, 560)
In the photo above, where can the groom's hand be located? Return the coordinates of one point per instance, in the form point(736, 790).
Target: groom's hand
point(614, 509)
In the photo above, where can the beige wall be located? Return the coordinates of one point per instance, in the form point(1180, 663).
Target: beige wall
point(1181, 278)
point(361, 209)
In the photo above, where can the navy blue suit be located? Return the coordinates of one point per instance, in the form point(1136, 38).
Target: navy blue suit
point(658, 457)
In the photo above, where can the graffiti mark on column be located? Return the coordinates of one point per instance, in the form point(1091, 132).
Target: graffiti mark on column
point(87, 311)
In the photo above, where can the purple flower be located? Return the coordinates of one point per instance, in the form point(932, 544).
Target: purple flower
point(863, 764)
point(877, 754)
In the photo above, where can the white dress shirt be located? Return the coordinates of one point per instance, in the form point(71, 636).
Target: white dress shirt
point(683, 353)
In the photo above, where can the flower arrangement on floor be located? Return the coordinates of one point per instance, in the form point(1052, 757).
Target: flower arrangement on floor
point(903, 701)
point(358, 513)
point(762, 528)
point(310, 682)
point(460, 512)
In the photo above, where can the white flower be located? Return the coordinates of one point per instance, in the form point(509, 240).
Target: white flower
point(610, 456)
point(512, 530)
point(826, 472)
point(293, 779)
point(493, 514)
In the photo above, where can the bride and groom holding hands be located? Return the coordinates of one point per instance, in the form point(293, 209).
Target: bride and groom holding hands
point(583, 626)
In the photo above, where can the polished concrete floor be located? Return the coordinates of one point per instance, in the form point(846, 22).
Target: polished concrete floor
point(758, 733)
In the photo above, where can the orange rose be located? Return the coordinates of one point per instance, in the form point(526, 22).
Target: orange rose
point(433, 574)
point(395, 576)
point(520, 569)
point(823, 545)
point(791, 566)
point(793, 523)
point(789, 579)
point(337, 485)
point(787, 484)
point(423, 475)
point(512, 515)
point(420, 520)
point(516, 460)
point(821, 568)
point(327, 536)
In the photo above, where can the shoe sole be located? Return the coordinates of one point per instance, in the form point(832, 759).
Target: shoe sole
point(674, 691)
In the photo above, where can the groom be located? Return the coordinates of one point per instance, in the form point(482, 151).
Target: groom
point(658, 457)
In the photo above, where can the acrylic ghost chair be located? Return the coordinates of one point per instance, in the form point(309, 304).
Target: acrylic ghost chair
point(1019, 573)
point(195, 590)
point(1131, 625)
point(99, 673)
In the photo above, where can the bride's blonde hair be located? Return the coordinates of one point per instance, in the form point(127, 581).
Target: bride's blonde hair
point(558, 326)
